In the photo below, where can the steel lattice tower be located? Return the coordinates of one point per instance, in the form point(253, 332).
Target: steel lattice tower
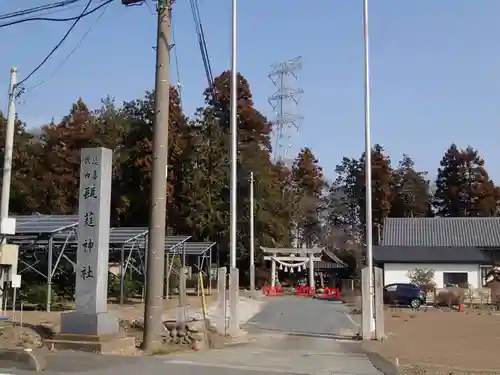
point(285, 102)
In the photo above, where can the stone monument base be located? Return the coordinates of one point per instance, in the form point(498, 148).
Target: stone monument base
point(77, 323)
point(91, 333)
point(105, 344)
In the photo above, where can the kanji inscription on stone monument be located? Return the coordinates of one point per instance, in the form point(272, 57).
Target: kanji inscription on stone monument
point(93, 231)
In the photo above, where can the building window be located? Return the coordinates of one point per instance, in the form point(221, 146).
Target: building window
point(456, 279)
point(484, 273)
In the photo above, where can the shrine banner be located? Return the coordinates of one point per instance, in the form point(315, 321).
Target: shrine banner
point(273, 291)
point(307, 291)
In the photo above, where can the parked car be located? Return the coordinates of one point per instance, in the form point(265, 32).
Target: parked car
point(404, 294)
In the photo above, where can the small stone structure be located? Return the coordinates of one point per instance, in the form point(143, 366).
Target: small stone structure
point(191, 334)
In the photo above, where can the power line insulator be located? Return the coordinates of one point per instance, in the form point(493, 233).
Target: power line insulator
point(131, 2)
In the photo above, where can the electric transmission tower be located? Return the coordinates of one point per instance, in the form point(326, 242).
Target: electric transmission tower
point(285, 102)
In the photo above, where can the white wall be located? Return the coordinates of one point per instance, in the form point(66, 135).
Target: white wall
point(398, 272)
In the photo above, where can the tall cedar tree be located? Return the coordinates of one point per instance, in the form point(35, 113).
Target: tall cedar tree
point(344, 196)
point(351, 178)
point(463, 187)
point(137, 159)
point(411, 194)
point(58, 176)
point(58, 149)
point(254, 155)
point(382, 181)
point(308, 184)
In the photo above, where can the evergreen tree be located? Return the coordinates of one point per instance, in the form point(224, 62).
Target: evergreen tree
point(351, 179)
point(58, 178)
point(463, 187)
point(308, 182)
point(347, 191)
point(411, 195)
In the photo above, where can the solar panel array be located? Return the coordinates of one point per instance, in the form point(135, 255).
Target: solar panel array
point(60, 226)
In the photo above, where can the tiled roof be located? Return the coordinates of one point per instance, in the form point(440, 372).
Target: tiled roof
point(443, 231)
point(423, 254)
point(322, 265)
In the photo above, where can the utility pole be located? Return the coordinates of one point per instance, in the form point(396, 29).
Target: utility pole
point(9, 146)
point(252, 235)
point(368, 168)
point(7, 170)
point(157, 220)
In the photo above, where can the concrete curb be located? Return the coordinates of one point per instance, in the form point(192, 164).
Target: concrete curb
point(23, 359)
point(382, 364)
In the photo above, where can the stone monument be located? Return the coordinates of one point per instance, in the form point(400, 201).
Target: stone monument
point(91, 318)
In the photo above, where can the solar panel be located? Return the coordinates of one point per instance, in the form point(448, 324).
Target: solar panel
point(44, 224)
point(62, 237)
point(123, 235)
point(196, 248)
point(173, 242)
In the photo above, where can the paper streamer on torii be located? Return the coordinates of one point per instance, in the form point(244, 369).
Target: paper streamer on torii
point(289, 267)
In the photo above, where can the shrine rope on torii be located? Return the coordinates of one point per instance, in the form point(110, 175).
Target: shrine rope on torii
point(292, 259)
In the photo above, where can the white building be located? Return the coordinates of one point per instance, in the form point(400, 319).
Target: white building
point(460, 251)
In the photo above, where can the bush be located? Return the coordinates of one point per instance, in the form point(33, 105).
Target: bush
point(130, 287)
point(423, 277)
point(36, 295)
point(450, 297)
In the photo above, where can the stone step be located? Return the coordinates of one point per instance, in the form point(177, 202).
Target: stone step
point(104, 346)
point(86, 338)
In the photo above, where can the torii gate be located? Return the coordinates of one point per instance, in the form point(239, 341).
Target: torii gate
point(291, 258)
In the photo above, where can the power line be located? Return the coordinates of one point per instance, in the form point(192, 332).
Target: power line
point(149, 8)
point(48, 12)
point(84, 14)
point(57, 45)
point(195, 10)
point(68, 56)
point(40, 8)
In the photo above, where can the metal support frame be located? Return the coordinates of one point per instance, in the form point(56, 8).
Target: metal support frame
point(44, 242)
point(201, 259)
point(62, 245)
point(201, 263)
point(59, 246)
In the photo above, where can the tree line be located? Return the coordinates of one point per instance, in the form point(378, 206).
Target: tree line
point(294, 204)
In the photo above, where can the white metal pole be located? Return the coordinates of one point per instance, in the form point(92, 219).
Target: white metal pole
point(9, 146)
point(234, 141)
point(368, 165)
point(252, 235)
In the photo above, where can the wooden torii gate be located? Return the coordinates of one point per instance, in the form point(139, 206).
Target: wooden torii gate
point(290, 259)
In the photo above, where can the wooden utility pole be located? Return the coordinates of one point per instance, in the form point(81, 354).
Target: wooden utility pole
point(155, 269)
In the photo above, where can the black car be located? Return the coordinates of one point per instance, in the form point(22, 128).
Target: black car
point(404, 294)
